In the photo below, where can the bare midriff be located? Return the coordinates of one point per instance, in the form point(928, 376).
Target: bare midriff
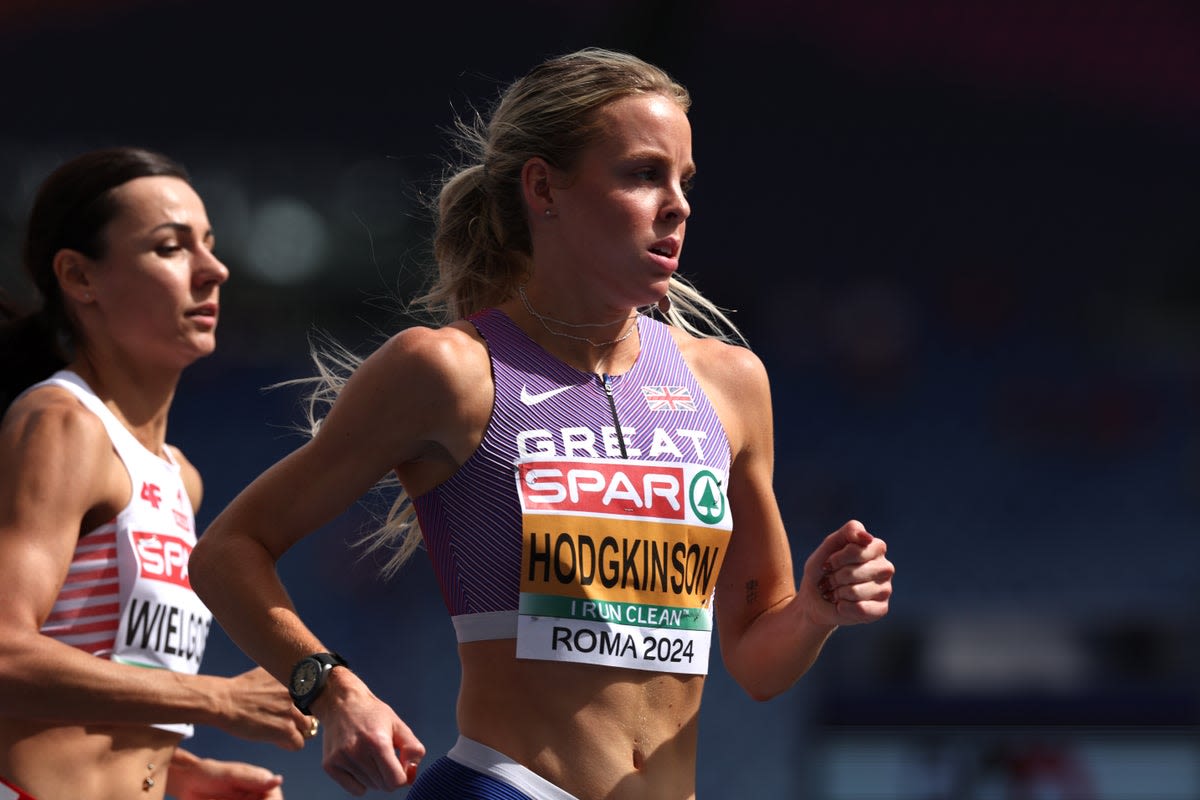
point(596, 732)
point(104, 762)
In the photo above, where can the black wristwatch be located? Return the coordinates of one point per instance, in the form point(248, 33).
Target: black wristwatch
point(309, 676)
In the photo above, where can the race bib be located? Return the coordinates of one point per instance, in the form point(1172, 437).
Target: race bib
point(619, 561)
point(163, 623)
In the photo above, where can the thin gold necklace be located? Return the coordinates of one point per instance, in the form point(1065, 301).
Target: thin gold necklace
point(544, 320)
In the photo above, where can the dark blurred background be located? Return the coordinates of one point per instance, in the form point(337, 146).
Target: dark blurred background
point(962, 235)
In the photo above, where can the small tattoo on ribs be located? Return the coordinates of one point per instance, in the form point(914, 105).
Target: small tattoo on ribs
point(751, 591)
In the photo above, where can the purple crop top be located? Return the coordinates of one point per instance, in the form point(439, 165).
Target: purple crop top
point(552, 413)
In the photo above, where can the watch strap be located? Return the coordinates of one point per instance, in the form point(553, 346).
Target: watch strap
point(326, 662)
point(330, 660)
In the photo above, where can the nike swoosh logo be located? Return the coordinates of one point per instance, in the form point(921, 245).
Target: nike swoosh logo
point(533, 399)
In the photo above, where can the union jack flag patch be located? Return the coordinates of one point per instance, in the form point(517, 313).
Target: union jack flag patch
point(669, 398)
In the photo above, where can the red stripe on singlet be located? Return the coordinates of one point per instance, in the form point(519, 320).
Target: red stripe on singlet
point(67, 615)
point(10, 792)
point(95, 590)
point(107, 573)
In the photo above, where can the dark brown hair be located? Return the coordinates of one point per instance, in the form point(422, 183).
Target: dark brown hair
point(72, 208)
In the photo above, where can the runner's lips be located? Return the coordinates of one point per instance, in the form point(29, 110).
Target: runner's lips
point(666, 247)
point(203, 310)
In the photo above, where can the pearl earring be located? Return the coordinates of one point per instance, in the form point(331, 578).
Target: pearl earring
point(549, 212)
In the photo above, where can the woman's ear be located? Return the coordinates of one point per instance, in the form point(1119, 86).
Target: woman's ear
point(73, 270)
point(536, 187)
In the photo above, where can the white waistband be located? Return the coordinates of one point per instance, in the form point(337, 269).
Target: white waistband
point(488, 625)
point(482, 758)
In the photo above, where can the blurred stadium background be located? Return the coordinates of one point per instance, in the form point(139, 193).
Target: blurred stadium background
point(963, 236)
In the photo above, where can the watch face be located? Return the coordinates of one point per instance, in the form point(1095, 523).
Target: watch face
point(305, 676)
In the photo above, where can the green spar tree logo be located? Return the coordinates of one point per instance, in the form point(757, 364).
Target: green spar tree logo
point(706, 498)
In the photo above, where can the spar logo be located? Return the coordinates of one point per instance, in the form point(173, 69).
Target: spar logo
point(706, 497)
point(162, 558)
point(603, 487)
